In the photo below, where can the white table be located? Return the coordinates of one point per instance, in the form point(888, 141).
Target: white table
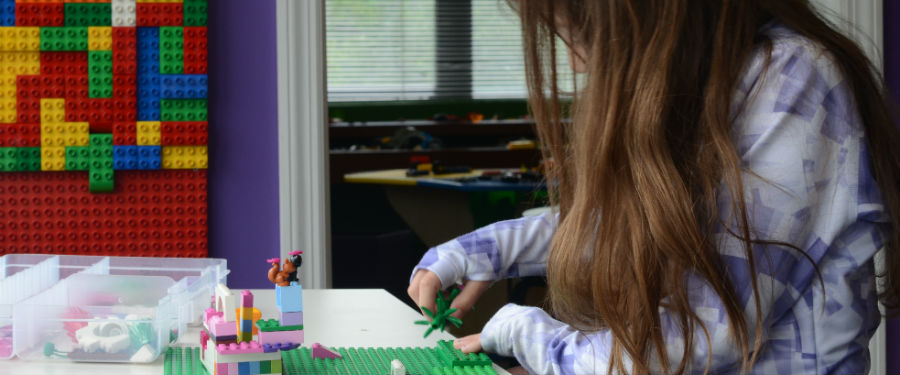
point(331, 317)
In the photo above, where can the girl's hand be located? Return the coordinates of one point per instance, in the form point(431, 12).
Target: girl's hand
point(425, 286)
point(468, 344)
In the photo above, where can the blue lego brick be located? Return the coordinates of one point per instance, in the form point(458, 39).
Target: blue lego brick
point(184, 86)
point(7, 12)
point(254, 367)
point(148, 86)
point(148, 110)
point(289, 298)
point(246, 326)
point(243, 368)
point(125, 157)
point(148, 50)
point(149, 157)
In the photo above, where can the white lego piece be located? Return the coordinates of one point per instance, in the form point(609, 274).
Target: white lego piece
point(397, 367)
point(110, 336)
point(124, 13)
point(226, 302)
point(143, 355)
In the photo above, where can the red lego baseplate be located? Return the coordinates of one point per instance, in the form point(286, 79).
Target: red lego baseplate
point(152, 213)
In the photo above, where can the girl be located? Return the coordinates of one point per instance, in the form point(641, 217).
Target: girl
point(728, 175)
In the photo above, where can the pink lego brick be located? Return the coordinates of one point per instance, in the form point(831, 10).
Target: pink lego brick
point(319, 351)
point(220, 328)
point(246, 299)
point(233, 368)
point(294, 318)
point(277, 337)
point(242, 348)
point(222, 369)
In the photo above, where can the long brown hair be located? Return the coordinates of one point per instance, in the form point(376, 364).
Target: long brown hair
point(636, 173)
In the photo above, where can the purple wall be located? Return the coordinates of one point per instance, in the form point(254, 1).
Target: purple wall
point(243, 142)
point(892, 75)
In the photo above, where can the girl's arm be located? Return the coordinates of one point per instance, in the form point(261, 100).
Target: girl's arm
point(810, 186)
point(511, 248)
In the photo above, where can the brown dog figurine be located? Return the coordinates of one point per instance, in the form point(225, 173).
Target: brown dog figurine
point(287, 273)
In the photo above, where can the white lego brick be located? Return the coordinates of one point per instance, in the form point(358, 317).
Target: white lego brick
point(124, 13)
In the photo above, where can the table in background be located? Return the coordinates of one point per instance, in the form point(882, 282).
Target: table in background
point(332, 317)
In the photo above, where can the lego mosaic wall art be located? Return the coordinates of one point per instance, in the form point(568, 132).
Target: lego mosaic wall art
point(103, 127)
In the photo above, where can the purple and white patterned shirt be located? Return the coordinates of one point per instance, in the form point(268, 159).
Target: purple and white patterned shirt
point(811, 186)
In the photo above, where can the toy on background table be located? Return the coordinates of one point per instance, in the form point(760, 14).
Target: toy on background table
point(287, 274)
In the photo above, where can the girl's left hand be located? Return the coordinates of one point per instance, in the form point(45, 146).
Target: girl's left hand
point(468, 344)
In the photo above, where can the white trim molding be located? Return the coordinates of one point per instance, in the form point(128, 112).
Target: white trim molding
point(303, 138)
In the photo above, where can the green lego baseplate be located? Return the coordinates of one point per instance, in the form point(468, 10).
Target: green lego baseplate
point(443, 359)
point(183, 361)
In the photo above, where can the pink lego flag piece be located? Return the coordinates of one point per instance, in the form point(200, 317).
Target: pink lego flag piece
point(319, 351)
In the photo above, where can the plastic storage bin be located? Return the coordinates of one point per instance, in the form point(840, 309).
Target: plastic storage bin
point(113, 309)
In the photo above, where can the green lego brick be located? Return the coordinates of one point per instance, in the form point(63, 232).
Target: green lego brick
point(9, 159)
point(183, 361)
point(195, 12)
point(100, 76)
point(376, 361)
point(28, 158)
point(171, 50)
point(101, 180)
point(265, 367)
point(183, 109)
point(272, 325)
point(68, 38)
point(78, 158)
point(88, 14)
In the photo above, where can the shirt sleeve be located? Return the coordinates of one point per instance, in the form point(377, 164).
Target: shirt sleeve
point(511, 248)
point(806, 184)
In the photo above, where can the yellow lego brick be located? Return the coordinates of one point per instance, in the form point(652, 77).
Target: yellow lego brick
point(53, 158)
point(53, 110)
point(148, 133)
point(246, 313)
point(20, 38)
point(184, 157)
point(99, 38)
point(20, 63)
point(7, 110)
point(65, 134)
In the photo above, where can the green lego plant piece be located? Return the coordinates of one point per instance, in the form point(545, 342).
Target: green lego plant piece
point(28, 158)
point(272, 325)
point(441, 316)
point(68, 38)
point(183, 110)
point(100, 75)
point(183, 361)
point(88, 14)
point(195, 12)
point(171, 50)
point(9, 159)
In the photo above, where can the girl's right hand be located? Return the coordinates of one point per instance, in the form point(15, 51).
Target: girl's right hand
point(425, 286)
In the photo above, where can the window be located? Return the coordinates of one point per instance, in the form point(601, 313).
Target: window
point(422, 50)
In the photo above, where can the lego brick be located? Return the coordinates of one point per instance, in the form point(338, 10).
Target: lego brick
point(99, 38)
point(195, 50)
point(64, 63)
point(28, 158)
point(20, 38)
point(148, 133)
point(183, 360)
point(124, 47)
point(240, 348)
point(19, 63)
point(125, 157)
point(160, 14)
point(243, 368)
point(222, 369)
point(148, 50)
point(149, 157)
point(159, 213)
point(39, 14)
point(34, 87)
point(66, 38)
point(52, 159)
point(280, 346)
point(272, 325)
point(246, 299)
point(20, 135)
point(124, 133)
point(183, 110)
point(244, 326)
point(195, 12)
point(7, 12)
point(218, 326)
point(265, 367)
point(242, 357)
point(53, 110)
point(100, 74)
point(184, 133)
point(275, 337)
point(319, 351)
point(88, 14)
point(253, 367)
point(291, 318)
point(233, 368)
point(455, 358)
point(184, 157)
point(184, 86)
point(171, 50)
point(124, 13)
point(287, 298)
point(8, 159)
